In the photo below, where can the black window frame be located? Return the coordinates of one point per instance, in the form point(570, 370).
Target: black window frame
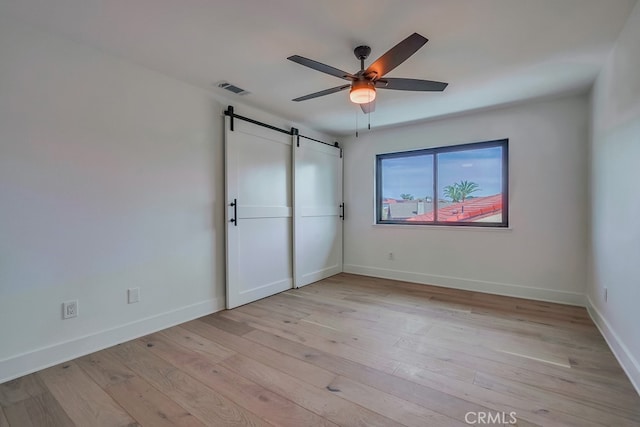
point(504, 143)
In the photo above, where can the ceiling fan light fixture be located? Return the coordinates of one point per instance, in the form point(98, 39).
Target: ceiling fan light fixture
point(362, 92)
point(364, 83)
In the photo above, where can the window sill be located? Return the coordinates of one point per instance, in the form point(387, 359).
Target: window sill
point(444, 227)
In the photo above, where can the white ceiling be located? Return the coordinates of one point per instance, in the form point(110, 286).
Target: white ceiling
point(491, 52)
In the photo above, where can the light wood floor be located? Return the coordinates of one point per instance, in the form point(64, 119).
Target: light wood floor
point(349, 350)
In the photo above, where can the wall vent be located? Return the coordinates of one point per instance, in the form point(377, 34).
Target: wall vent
point(231, 88)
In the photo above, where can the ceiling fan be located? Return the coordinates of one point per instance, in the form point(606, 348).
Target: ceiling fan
point(365, 82)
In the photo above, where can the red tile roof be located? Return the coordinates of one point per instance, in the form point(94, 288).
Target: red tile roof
point(471, 210)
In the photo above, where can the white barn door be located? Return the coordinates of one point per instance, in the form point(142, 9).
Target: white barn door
point(318, 211)
point(259, 212)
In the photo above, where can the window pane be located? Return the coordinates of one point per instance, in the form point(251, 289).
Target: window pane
point(407, 188)
point(471, 181)
point(470, 186)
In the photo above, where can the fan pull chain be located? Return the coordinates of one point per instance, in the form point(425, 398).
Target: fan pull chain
point(356, 123)
point(369, 114)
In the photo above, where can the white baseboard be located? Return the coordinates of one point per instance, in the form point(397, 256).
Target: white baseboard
point(45, 357)
point(316, 276)
point(628, 362)
point(549, 295)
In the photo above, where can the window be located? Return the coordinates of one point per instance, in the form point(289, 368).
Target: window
point(457, 185)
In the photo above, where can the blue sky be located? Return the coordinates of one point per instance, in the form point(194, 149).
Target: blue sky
point(414, 175)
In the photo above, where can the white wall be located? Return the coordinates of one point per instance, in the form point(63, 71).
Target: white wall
point(111, 177)
point(615, 200)
point(542, 255)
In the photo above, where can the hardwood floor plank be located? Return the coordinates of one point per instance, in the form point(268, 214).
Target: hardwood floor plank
point(253, 397)
point(353, 347)
point(336, 345)
point(553, 402)
point(274, 306)
point(150, 407)
point(213, 350)
point(20, 389)
point(351, 351)
point(81, 398)
point(147, 405)
point(403, 411)
point(458, 302)
point(208, 405)
point(299, 369)
point(3, 419)
point(104, 368)
point(539, 412)
point(228, 325)
point(465, 299)
point(385, 403)
point(473, 356)
point(523, 423)
point(40, 410)
point(576, 388)
point(511, 325)
point(597, 356)
point(429, 398)
point(390, 321)
point(553, 379)
point(18, 415)
point(359, 337)
point(321, 401)
point(515, 346)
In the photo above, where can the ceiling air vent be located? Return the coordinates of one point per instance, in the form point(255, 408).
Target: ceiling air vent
point(231, 88)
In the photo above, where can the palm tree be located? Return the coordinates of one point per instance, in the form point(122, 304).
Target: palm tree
point(459, 191)
point(451, 191)
point(406, 196)
point(465, 188)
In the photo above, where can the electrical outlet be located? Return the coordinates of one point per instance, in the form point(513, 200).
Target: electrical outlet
point(391, 256)
point(70, 309)
point(606, 294)
point(133, 295)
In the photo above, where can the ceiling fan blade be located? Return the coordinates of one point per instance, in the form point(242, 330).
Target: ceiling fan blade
point(322, 93)
point(396, 55)
point(410, 84)
point(368, 108)
point(323, 68)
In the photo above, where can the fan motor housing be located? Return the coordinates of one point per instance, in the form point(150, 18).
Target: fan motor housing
point(362, 52)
